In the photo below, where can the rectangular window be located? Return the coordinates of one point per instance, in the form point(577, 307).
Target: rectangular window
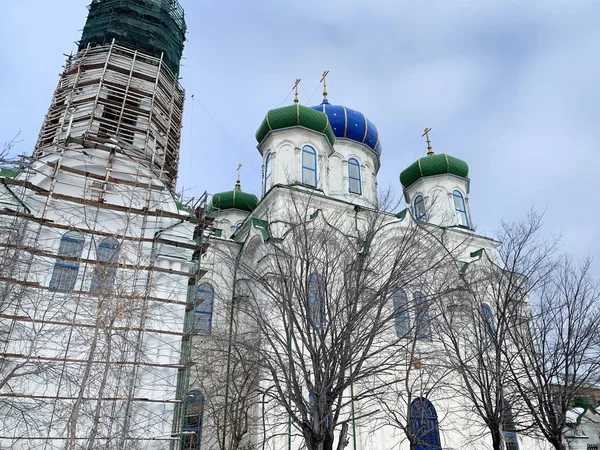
point(422, 323)
point(511, 441)
point(64, 276)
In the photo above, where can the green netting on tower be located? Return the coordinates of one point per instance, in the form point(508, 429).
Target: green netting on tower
point(153, 27)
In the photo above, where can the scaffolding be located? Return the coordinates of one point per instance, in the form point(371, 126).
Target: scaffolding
point(112, 95)
point(153, 27)
point(162, 240)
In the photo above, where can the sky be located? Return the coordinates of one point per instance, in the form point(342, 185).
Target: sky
point(509, 86)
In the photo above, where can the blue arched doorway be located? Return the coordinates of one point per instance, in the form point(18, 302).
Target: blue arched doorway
point(423, 423)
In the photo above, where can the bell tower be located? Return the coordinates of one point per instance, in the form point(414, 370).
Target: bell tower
point(120, 90)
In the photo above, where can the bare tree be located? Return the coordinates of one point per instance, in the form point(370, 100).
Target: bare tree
point(558, 348)
point(319, 296)
point(478, 319)
point(228, 377)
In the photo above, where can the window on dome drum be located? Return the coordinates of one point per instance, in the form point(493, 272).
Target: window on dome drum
point(238, 225)
point(105, 272)
point(488, 319)
point(192, 420)
point(422, 322)
point(205, 295)
point(354, 182)
point(419, 207)
point(268, 170)
point(316, 300)
point(461, 209)
point(309, 166)
point(423, 423)
point(401, 317)
point(64, 275)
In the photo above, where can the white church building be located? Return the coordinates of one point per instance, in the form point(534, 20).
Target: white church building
point(324, 159)
point(119, 318)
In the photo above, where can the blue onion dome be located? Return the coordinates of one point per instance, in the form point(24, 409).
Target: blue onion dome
point(350, 124)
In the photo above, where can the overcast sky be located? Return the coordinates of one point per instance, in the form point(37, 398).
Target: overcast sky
point(510, 86)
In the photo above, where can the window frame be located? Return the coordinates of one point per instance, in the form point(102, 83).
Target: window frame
point(208, 312)
point(316, 299)
point(460, 213)
point(106, 266)
point(354, 162)
point(309, 150)
point(422, 319)
point(401, 313)
point(268, 172)
point(65, 272)
point(487, 316)
point(514, 437)
point(419, 200)
point(193, 396)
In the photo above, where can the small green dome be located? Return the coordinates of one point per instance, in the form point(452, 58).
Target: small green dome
point(294, 115)
point(433, 165)
point(235, 199)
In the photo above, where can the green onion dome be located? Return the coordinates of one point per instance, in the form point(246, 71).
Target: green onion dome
point(235, 199)
point(433, 164)
point(295, 115)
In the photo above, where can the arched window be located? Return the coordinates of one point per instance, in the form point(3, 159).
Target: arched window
point(204, 308)
point(309, 166)
point(192, 420)
point(316, 300)
point(401, 317)
point(488, 319)
point(461, 210)
point(422, 323)
point(268, 169)
point(107, 255)
point(419, 207)
point(238, 225)
point(423, 423)
point(64, 275)
point(354, 183)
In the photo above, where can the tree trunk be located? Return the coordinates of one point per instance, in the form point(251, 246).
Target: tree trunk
point(559, 443)
point(343, 442)
point(497, 439)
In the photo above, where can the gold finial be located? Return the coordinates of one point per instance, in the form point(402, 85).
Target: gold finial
point(296, 88)
point(426, 133)
point(237, 184)
point(324, 81)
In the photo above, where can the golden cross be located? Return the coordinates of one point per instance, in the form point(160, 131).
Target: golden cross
point(238, 169)
point(324, 81)
point(296, 88)
point(426, 135)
